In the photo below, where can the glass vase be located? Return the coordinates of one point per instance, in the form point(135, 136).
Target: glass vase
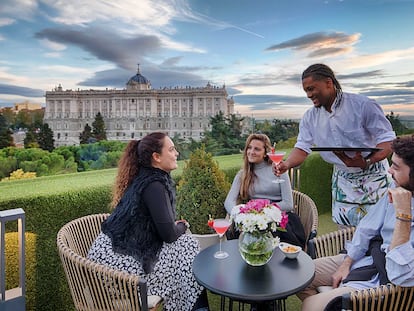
point(256, 248)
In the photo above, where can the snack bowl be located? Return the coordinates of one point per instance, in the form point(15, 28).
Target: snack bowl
point(291, 251)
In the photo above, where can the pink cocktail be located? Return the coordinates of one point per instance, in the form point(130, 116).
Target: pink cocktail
point(221, 225)
point(276, 157)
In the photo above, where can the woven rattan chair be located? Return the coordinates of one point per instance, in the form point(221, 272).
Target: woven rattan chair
point(382, 298)
point(94, 286)
point(306, 209)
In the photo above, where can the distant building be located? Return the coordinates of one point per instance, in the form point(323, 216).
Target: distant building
point(133, 112)
point(26, 106)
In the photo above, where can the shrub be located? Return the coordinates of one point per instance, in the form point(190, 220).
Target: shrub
point(201, 191)
point(20, 174)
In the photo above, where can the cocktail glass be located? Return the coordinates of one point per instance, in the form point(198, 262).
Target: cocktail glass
point(276, 157)
point(221, 225)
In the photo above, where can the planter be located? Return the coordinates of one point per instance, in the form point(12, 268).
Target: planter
point(256, 248)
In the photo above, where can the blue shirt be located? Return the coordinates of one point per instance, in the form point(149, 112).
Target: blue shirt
point(380, 220)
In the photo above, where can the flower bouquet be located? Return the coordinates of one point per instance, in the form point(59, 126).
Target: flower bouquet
point(256, 220)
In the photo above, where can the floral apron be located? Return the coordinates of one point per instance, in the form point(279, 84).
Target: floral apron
point(354, 193)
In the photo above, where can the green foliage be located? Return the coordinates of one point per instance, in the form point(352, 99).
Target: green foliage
point(30, 141)
point(45, 138)
point(47, 288)
point(287, 144)
point(98, 128)
point(7, 165)
point(279, 130)
point(86, 135)
point(6, 138)
point(201, 191)
point(50, 202)
point(397, 126)
point(225, 136)
point(315, 181)
point(12, 272)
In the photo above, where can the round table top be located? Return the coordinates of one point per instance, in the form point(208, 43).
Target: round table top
point(233, 277)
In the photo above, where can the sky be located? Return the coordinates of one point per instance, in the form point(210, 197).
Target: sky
point(257, 49)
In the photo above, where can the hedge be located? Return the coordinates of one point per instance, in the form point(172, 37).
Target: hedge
point(57, 200)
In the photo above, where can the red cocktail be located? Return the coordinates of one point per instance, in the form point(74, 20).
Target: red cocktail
point(221, 225)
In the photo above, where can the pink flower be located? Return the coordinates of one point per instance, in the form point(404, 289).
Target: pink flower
point(284, 220)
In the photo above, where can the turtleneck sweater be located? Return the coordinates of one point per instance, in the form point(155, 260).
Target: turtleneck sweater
point(263, 188)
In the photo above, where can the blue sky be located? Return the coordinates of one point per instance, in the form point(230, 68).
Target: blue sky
point(258, 49)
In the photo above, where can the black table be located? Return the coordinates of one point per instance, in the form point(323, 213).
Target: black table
point(232, 277)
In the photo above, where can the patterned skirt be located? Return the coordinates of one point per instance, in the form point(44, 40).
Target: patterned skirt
point(172, 277)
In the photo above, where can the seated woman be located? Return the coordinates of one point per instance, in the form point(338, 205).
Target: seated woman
point(141, 236)
point(255, 181)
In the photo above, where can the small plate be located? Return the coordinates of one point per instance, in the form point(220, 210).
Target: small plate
point(345, 149)
point(291, 251)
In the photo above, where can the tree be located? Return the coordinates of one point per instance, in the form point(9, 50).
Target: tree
point(201, 191)
point(6, 138)
point(86, 135)
point(98, 128)
point(30, 141)
point(397, 126)
point(225, 135)
point(45, 138)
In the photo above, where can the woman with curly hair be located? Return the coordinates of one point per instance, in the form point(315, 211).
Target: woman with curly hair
point(141, 236)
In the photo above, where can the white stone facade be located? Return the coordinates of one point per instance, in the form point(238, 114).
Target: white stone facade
point(133, 112)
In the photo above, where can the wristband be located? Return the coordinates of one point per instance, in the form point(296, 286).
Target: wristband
point(404, 217)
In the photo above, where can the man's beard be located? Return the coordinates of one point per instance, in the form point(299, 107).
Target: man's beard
point(407, 186)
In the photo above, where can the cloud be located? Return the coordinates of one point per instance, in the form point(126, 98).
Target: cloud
point(24, 9)
point(53, 45)
point(6, 21)
point(320, 44)
point(105, 45)
point(377, 59)
point(316, 40)
point(270, 99)
point(358, 75)
point(21, 91)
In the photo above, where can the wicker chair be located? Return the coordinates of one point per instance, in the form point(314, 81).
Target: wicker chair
point(382, 298)
point(306, 209)
point(94, 286)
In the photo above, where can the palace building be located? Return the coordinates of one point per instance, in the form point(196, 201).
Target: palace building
point(135, 111)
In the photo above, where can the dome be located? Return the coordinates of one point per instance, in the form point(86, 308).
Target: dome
point(138, 81)
point(139, 78)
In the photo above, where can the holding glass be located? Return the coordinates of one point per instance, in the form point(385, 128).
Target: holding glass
point(276, 157)
point(221, 225)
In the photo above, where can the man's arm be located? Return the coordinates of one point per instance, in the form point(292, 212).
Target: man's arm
point(296, 157)
point(401, 199)
point(400, 257)
point(359, 161)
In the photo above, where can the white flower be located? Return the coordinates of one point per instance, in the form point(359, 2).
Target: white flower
point(258, 215)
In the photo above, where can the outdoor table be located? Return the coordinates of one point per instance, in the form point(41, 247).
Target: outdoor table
point(232, 277)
